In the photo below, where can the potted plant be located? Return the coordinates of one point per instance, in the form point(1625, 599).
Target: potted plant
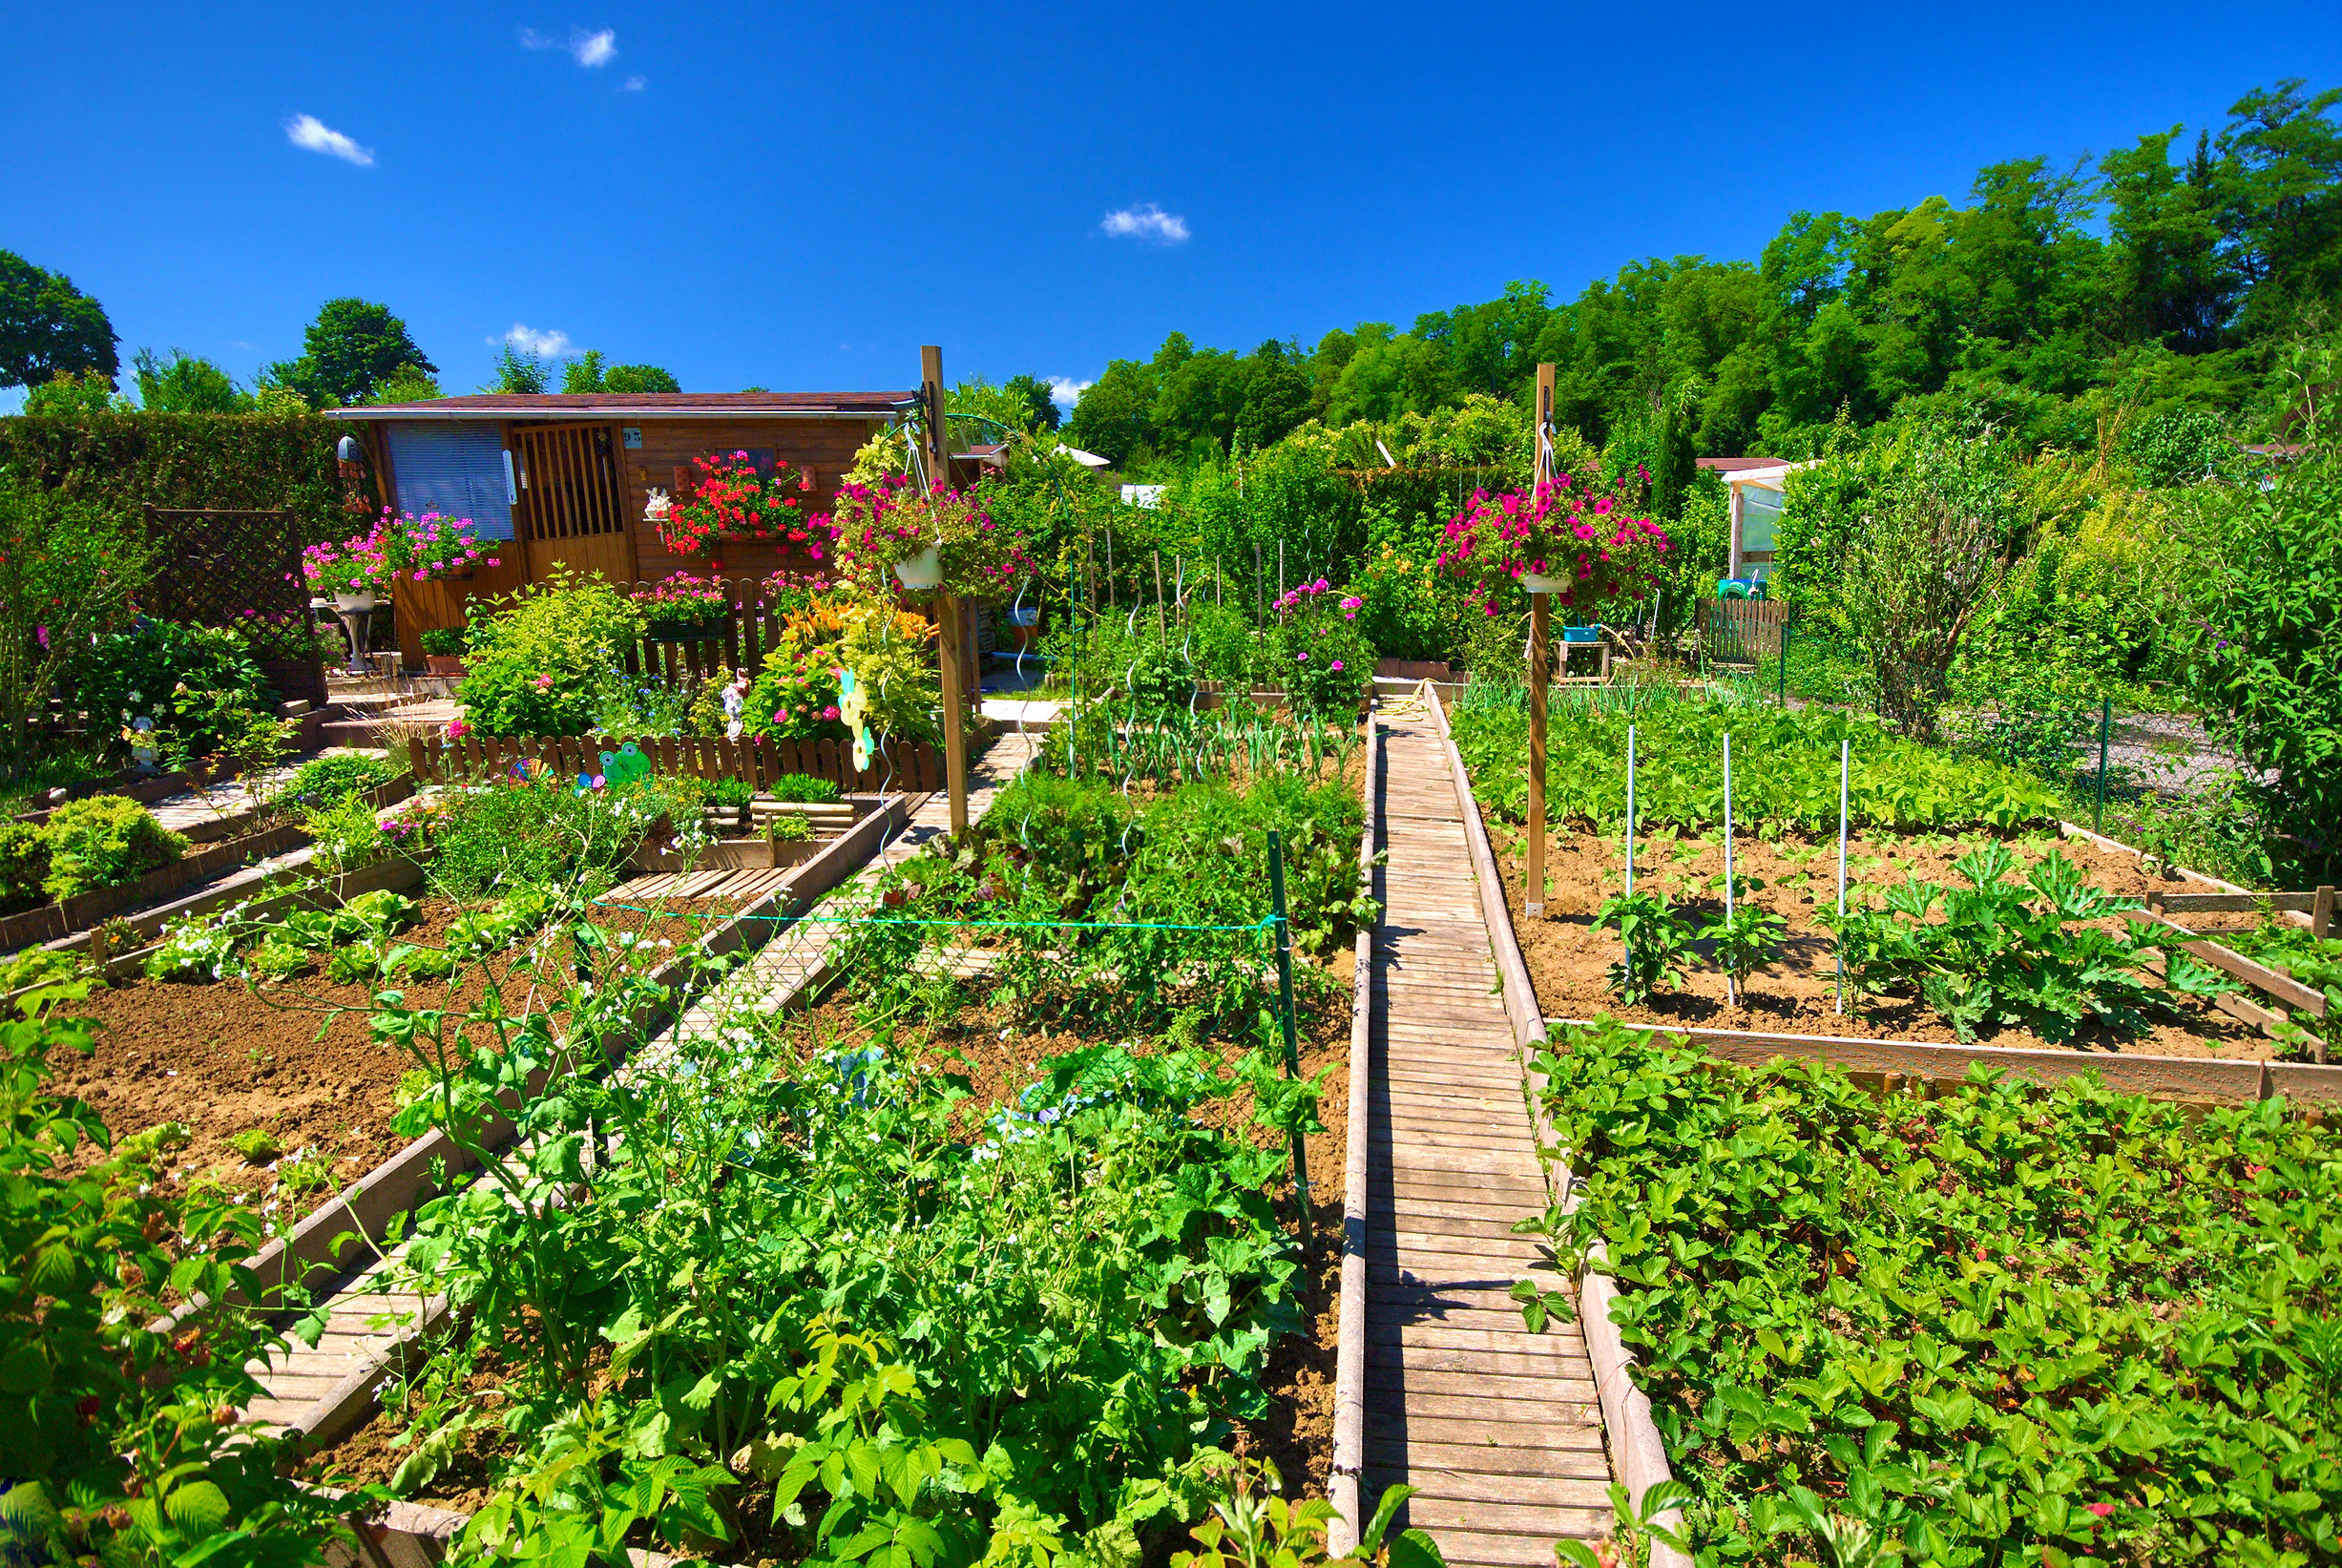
point(432, 547)
point(443, 650)
point(727, 500)
point(352, 572)
point(682, 608)
point(1559, 540)
point(927, 539)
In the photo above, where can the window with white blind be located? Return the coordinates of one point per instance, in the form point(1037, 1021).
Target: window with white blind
point(456, 470)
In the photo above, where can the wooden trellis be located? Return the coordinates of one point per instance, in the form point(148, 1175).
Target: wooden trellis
point(241, 571)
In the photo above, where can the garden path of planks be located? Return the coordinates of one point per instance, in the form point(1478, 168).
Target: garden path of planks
point(1497, 1429)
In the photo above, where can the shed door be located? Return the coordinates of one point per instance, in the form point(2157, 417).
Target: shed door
point(455, 469)
point(572, 509)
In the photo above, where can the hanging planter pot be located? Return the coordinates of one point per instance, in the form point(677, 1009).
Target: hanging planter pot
point(353, 603)
point(921, 571)
point(1538, 582)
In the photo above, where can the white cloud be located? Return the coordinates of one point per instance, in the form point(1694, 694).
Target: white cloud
point(587, 48)
point(309, 131)
point(1146, 221)
point(1065, 391)
point(545, 345)
point(634, 84)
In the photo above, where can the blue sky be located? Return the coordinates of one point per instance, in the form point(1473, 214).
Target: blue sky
point(798, 197)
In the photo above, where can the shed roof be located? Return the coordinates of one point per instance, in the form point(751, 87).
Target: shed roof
point(642, 405)
point(1734, 465)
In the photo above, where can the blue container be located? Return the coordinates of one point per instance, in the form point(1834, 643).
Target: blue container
point(1581, 634)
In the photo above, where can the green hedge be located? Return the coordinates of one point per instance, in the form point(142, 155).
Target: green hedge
point(235, 461)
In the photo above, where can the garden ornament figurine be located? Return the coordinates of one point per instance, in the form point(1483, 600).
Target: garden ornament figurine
point(733, 695)
point(656, 511)
point(626, 765)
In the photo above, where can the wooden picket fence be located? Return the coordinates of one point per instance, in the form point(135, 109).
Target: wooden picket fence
point(897, 767)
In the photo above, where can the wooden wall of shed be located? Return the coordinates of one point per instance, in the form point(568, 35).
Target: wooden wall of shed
point(825, 445)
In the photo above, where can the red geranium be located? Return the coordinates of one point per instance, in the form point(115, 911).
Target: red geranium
point(728, 499)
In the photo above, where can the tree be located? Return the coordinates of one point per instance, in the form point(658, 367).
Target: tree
point(1034, 394)
point(185, 385)
point(48, 328)
point(407, 384)
point(1276, 393)
point(584, 373)
point(519, 372)
point(1115, 416)
point(68, 393)
point(352, 348)
point(639, 378)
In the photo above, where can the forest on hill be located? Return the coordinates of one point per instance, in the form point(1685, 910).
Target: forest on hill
point(2167, 273)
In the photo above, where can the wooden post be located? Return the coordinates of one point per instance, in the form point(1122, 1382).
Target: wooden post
point(1540, 662)
point(2321, 914)
point(1533, 899)
point(948, 645)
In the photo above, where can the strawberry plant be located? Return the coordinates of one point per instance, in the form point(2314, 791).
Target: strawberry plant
point(2007, 1324)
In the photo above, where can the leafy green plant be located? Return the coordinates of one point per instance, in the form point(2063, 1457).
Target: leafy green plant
point(199, 948)
point(2010, 954)
point(442, 641)
point(801, 788)
point(24, 866)
point(257, 1145)
point(1785, 767)
point(103, 841)
point(197, 684)
point(789, 828)
point(1655, 946)
point(539, 662)
point(1251, 1526)
point(1999, 1323)
point(125, 1443)
point(323, 780)
point(1745, 940)
point(346, 833)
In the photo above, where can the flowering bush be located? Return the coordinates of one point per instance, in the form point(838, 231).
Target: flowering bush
point(728, 499)
point(896, 521)
point(682, 600)
point(1558, 531)
point(540, 664)
point(1324, 662)
point(795, 698)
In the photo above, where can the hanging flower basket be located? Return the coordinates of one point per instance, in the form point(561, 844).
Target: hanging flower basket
point(728, 502)
point(1583, 549)
point(938, 539)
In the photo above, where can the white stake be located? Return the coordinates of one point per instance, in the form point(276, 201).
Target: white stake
point(1731, 991)
point(1630, 810)
point(1844, 754)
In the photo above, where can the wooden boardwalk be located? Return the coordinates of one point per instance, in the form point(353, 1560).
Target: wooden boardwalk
point(1497, 1428)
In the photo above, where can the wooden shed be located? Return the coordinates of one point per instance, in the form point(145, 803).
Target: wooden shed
point(563, 478)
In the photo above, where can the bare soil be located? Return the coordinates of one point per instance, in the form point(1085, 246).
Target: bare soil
point(1567, 956)
point(294, 1058)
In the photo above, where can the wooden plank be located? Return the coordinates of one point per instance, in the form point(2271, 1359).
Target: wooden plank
point(2248, 902)
point(1486, 1458)
point(1412, 1411)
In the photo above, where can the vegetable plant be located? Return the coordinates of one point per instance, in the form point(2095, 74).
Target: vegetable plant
point(1998, 954)
point(1656, 944)
point(2004, 1323)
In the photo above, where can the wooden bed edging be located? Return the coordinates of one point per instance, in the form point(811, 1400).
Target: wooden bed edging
point(2201, 1080)
point(395, 1185)
point(1638, 1456)
point(1349, 1461)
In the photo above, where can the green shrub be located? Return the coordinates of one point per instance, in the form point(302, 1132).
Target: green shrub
point(2267, 668)
point(539, 665)
point(139, 673)
point(24, 866)
point(323, 780)
point(104, 841)
point(443, 641)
